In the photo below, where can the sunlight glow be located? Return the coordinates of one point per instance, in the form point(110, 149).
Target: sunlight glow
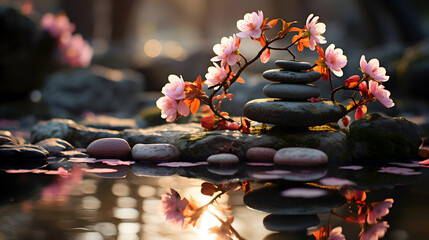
point(153, 48)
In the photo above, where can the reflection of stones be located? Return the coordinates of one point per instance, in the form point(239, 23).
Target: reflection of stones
point(9, 164)
point(22, 152)
point(68, 130)
point(377, 137)
point(151, 170)
point(298, 156)
point(268, 199)
point(276, 222)
point(122, 170)
point(156, 152)
point(300, 235)
point(97, 89)
point(293, 114)
point(109, 148)
point(223, 159)
point(305, 174)
point(223, 170)
point(54, 145)
point(294, 92)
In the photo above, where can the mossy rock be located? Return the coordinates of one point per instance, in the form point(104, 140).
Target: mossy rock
point(376, 137)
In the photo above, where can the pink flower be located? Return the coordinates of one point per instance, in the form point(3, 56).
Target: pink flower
point(336, 234)
point(215, 75)
point(335, 60)
point(57, 25)
point(175, 89)
point(226, 50)
point(381, 94)
point(170, 108)
point(75, 50)
point(375, 232)
point(315, 31)
point(380, 210)
point(173, 206)
point(373, 69)
point(250, 25)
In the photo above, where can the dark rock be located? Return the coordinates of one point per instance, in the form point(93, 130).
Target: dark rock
point(24, 152)
point(293, 114)
point(260, 154)
point(97, 89)
point(109, 148)
point(291, 91)
point(167, 133)
point(269, 199)
point(68, 130)
point(108, 122)
point(54, 145)
point(276, 222)
point(293, 65)
point(278, 75)
point(376, 137)
point(201, 144)
point(6, 140)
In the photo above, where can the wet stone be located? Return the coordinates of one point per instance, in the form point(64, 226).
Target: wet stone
point(293, 65)
point(22, 152)
point(223, 159)
point(279, 75)
point(299, 156)
point(155, 152)
point(260, 154)
point(293, 114)
point(55, 145)
point(291, 91)
point(277, 222)
point(109, 148)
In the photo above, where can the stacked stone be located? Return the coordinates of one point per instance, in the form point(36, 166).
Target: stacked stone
point(288, 103)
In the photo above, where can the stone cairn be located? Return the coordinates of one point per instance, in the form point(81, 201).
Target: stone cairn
point(288, 103)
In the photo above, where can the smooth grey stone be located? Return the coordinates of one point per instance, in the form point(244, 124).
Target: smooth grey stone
point(155, 152)
point(293, 114)
point(376, 137)
point(291, 91)
point(269, 199)
point(279, 75)
point(299, 156)
point(293, 65)
point(223, 158)
point(277, 222)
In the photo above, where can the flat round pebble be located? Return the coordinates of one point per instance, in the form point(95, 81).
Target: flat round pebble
point(156, 152)
point(279, 75)
point(223, 159)
point(289, 91)
point(260, 154)
point(298, 156)
point(109, 148)
point(293, 65)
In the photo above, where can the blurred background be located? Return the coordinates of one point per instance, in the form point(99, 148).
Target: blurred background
point(138, 43)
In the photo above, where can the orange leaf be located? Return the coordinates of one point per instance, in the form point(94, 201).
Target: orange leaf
point(237, 44)
point(240, 80)
point(285, 28)
point(295, 29)
point(194, 106)
point(273, 22)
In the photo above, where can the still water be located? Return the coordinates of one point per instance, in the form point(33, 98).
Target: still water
point(86, 200)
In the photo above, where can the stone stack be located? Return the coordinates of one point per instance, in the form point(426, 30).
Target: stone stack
point(288, 103)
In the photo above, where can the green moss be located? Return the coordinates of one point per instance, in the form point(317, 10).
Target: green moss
point(198, 136)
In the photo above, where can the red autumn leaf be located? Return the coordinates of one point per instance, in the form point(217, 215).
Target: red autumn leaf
point(345, 121)
point(352, 81)
point(360, 112)
point(208, 122)
point(208, 188)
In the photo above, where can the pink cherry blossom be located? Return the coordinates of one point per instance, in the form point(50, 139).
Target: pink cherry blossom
point(250, 25)
point(315, 31)
point(170, 108)
point(375, 232)
point(226, 50)
point(336, 234)
point(381, 94)
point(175, 89)
point(75, 50)
point(215, 75)
point(57, 25)
point(380, 210)
point(335, 60)
point(173, 206)
point(373, 69)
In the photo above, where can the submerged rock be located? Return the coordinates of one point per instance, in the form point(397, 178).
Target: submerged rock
point(293, 114)
point(376, 137)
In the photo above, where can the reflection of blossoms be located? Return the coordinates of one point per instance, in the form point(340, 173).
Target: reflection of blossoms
point(173, 206)
point(327, 233)
point(380, 210)
point(57, 25)
point(336, 234)
point(375, 232)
